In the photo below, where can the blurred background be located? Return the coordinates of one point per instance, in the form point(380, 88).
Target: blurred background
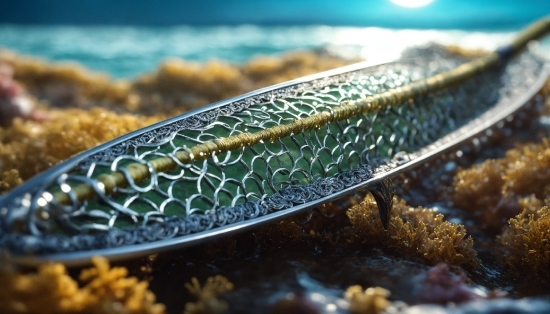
point(127, 37)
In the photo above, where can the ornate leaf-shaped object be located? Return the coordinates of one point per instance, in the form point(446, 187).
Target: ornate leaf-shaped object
point(250, 159)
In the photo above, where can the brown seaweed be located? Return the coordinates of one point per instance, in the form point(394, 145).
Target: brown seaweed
point(371, 300)
point(526, 243)
point(52, 290)
point(415, 232)
point(208, 301)
point(492, 189)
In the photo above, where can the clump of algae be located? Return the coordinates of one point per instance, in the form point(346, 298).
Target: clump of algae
point(208, 296)
point(415, 232)
point(509, 196)
point(492, 189)
point(175, 87)
point(52, 290)
point(180, 84)
point(29, 147)
point(9, 179)
point(526, 243)
point(371, 300)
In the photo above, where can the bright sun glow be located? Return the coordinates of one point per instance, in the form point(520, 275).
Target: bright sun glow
point(412, 3)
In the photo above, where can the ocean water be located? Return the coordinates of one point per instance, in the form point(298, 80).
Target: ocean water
point(126, 52)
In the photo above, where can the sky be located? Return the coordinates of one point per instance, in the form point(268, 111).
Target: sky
point(442, 14)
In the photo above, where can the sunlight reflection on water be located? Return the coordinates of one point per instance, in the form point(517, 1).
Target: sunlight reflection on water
point(125, 52)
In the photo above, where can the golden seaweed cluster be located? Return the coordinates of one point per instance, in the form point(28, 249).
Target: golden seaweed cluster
point(523, 171)
point(371, 300)
point(526, 243)
point(208, 301)
point(175, 87)
point(28, 147)
point(9, 179)
point(414, 232)
point(181, 85)
point(52, 290)
point(507, 195)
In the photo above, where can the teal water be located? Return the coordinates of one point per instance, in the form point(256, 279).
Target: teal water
point(398, 14)
point(127, 51)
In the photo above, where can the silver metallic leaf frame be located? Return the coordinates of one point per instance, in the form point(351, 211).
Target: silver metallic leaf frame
point(359, 153)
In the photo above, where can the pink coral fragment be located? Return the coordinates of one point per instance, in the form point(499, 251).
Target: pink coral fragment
point(13, 101)
point(441, 286)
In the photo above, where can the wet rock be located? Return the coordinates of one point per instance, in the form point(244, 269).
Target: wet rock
point(292, 303)
point(441, 286)
point(497, 306)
